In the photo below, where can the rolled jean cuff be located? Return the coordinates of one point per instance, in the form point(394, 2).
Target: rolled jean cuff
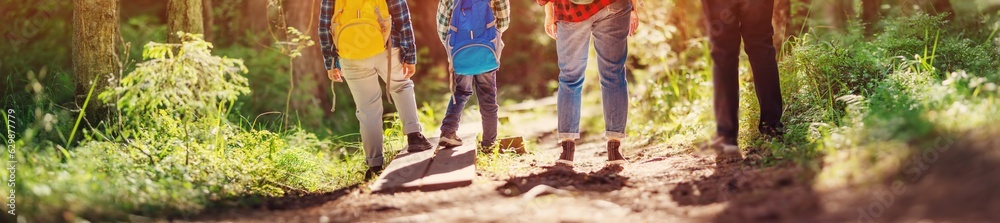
point(572, 136)
point(615, 135)
point(412, 128)
point(379, 161)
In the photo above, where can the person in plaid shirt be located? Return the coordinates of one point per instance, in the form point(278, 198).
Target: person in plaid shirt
point(485, 84)
point(362, 78)
point(573, 23)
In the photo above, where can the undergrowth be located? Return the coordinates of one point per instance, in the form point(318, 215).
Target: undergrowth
point(850, 102)
point(171, 150)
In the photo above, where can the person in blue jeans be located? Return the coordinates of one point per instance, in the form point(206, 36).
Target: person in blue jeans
point(573, 23)
point(485, 85)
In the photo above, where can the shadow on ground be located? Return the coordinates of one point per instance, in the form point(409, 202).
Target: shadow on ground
point(752, 193)
point(288, 202)
point(604, 180)
point(955, 181)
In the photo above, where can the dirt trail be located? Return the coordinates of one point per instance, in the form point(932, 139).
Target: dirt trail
point(665, 184)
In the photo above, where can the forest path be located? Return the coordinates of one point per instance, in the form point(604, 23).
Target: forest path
point(661, 184)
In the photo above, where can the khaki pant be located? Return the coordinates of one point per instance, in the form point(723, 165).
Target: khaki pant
point(362, 78)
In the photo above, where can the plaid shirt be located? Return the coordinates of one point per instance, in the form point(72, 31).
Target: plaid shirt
point(501, 11)
point(402, 33)
point(567, 11)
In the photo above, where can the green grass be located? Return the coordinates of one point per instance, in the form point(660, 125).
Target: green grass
point(171, 153)
point(851, 101)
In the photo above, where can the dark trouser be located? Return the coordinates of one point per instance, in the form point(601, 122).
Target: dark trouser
point(728, 21)
point(485, 86)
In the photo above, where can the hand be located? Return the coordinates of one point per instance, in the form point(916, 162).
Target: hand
point(550, 22)
point(409, 70)
point(552, 29)
point(335, 75)
point(451, 68)
point(633, 23)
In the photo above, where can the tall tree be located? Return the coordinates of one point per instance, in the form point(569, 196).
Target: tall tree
point(209, 19)
point(789, 19)
point(255, 18)
point(944, 6)
point(310, 73)
point(96, 37)
point(838, 12)
point(780, 19)
point(870, 14)
point(184, 16)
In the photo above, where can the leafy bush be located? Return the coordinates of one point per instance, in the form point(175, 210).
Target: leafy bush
point(848, 100)
point(173, 152)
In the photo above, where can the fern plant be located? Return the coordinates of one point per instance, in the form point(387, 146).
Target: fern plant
point(183, 79)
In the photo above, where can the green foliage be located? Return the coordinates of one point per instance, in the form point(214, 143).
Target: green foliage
point(849, 100)
point(137, 30)
point(196, 83)
point(35, 33)
point(173, 151)
point(857, 104)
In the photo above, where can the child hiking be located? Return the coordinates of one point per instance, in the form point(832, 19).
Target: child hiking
point(471, 33)
point(362, 41)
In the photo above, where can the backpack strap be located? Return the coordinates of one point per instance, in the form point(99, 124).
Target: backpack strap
point(388, 57)
point(388, 72)
point(451, 86)
point(333, 106)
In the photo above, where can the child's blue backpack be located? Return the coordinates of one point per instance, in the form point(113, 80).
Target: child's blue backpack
point(473, 38)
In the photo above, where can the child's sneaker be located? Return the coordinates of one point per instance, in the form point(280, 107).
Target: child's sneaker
point(487, 148)
point(450, 139)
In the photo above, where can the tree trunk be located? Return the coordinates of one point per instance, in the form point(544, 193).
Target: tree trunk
point(310, 72)
point(838, 13)
point(96, 37)
point(799, 21)
point(184, 16)
point(209, 19)
point(944, 6)
point(424, 18)
point(870, 14)
point(255, 20)
point(781, 19)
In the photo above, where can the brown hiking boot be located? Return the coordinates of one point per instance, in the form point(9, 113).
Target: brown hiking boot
point(566, 158)
point(615, 154)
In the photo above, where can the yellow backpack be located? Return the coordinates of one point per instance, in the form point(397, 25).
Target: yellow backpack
point(361, 28)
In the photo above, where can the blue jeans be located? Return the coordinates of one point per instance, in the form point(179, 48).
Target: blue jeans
point(486, 89)
point(609, 27)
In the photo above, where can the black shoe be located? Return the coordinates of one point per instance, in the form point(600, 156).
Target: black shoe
point(486, 148)
point(450, 140)
point(416, 142)
point(566, 159)
point(615, 154)
point(373, 172)
point(771, 131)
